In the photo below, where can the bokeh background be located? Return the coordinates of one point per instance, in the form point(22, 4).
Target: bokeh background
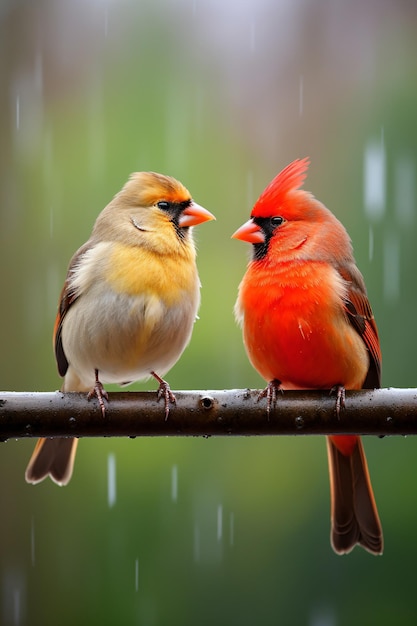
point(221, 94)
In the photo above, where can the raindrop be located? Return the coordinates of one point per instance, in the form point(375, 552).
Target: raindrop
point(219, 522)
point(27, 96)
point(375, 178)
point(391, 267)
point(405, 190)
point(13, 603)
point(111, 480)
point(17, 112)
point(137, 575)
point(16, 606)
point(174, 483)
point(323, 617)
point(301, 95)
point(371, 243)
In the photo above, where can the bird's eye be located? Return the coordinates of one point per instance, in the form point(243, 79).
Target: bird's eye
point(277, 220)
point(163, 205)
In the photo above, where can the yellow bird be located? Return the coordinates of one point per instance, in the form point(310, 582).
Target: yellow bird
point(129, 302)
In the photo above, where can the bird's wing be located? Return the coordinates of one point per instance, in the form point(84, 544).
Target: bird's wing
point(68, 296)
point(359, 314)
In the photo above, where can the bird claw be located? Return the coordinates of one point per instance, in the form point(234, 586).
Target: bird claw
point(100, 393)
point(164, 391)
point(271, 394)
point(340, 392)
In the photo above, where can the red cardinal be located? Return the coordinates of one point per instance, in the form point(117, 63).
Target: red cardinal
point(307, 324)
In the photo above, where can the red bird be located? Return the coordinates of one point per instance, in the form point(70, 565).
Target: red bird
point(307, 324)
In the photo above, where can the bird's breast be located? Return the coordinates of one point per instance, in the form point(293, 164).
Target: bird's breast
point(295, 328)
point(136, 271)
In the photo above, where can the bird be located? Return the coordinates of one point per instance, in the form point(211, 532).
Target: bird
point(307, 324)
point(129, 302)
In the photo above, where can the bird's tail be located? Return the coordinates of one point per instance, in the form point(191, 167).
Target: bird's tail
point(354, 516)
point(55, 457)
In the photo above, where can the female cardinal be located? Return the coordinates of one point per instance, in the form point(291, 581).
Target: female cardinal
point(128, 304)
point(307, 324)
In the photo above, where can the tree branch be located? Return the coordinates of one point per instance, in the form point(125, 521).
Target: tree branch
point(206, 413)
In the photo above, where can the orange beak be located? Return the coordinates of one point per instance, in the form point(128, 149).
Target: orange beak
point(249, 232)
point(195, 214)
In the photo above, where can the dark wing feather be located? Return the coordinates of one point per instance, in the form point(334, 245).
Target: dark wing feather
point(67, 299)
point(360, 315)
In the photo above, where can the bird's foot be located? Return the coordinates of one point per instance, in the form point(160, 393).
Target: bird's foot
point(271, 394)
point(100, 393)
point(340, 392)
point(164, 391)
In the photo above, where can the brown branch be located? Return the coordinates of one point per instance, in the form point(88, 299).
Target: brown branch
point(205, 413)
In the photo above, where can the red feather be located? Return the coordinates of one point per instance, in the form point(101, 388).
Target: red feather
point(289, 179)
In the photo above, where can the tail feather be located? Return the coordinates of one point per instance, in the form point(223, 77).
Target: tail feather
point(354, 515)
point(54, 458)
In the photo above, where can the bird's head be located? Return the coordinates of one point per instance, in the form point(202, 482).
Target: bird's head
point(288, 223)
point(153, 210)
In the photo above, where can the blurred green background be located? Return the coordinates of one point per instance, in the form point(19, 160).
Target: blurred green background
point(221, 94)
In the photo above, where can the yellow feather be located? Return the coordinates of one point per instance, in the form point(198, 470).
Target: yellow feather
point(139, 271)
